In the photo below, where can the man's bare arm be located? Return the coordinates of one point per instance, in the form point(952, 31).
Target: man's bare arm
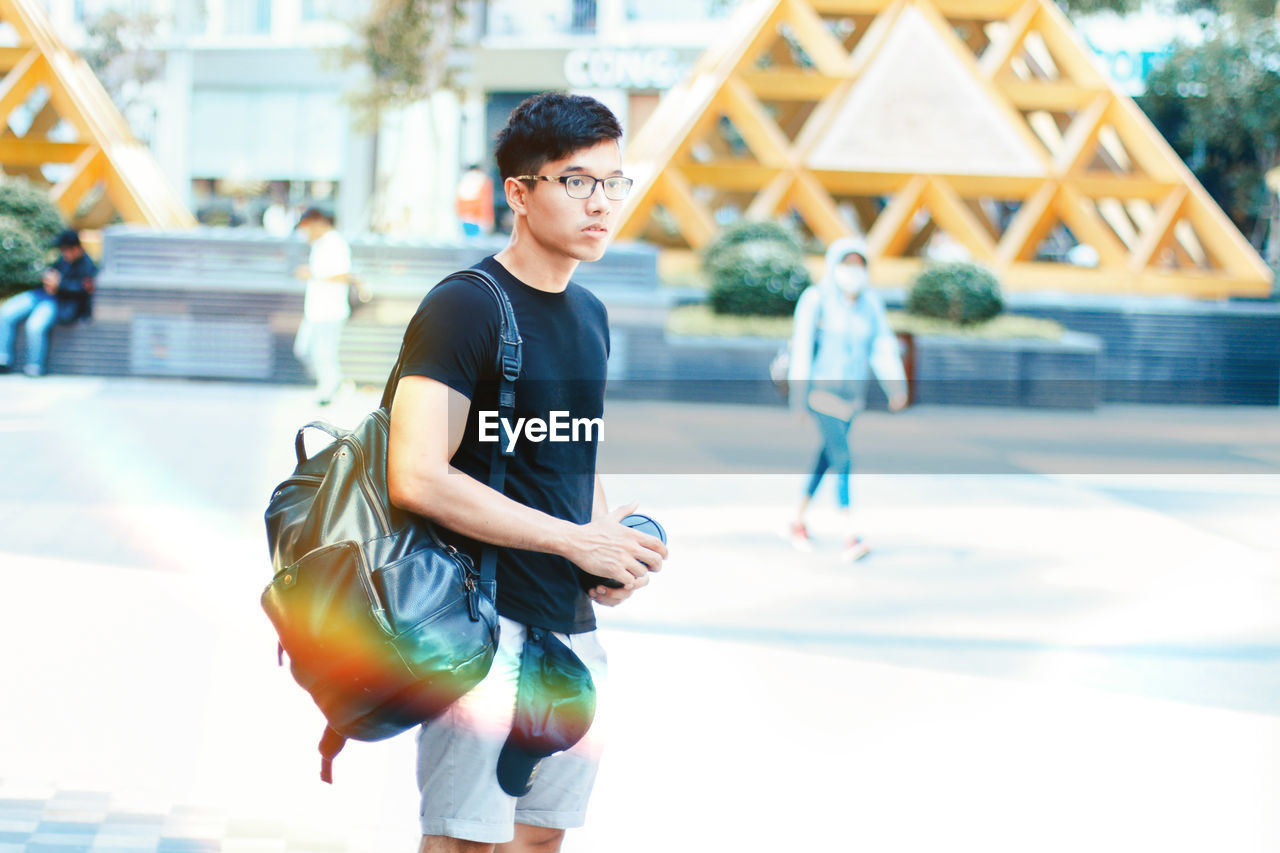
point(428, 419)
point(598, 505)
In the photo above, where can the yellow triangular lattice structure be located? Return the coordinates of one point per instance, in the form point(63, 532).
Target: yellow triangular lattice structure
point(985, 120)
point(41, 75)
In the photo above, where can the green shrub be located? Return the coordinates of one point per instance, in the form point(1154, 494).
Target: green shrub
point(762, 279)
point(21, 257)
point(960, 292)
point(756, 268)
point(33, 210)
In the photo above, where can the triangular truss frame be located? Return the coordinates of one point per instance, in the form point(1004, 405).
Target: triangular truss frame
point(103, 155)
point(734, 138)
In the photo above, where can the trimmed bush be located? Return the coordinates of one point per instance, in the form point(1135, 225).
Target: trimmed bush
point(756, 268)
point(33, 210)
point(21, 257)
point(960, 292)
point(763, 279)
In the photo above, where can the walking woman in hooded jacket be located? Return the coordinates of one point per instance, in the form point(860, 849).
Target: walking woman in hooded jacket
point(841, 338)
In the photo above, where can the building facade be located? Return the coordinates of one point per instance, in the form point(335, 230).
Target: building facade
point(247, 106)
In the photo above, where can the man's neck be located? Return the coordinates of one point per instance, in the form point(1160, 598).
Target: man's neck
point(534, 265)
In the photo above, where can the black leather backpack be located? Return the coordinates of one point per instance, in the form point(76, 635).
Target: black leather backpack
point(385, 624)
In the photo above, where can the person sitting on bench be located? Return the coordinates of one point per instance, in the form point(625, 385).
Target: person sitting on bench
point(64, 297)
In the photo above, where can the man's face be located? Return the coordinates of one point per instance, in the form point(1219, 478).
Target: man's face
point(578, 228)
point(71, 254)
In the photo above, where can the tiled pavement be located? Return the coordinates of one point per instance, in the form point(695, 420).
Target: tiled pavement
point(36, 818)
point(1028, 662)
point(33, 818)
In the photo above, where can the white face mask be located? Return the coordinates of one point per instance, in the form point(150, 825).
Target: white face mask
point(850, 279)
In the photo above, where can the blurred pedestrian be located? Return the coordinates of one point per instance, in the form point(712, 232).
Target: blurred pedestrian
point(241, 213)
point(841, 337)
point(474, 202)
point(65, 296)
point(326, 306)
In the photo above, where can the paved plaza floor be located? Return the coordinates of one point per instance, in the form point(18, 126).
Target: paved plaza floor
point(1067, 641)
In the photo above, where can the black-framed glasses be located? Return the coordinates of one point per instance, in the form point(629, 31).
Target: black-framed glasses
point(582, 186)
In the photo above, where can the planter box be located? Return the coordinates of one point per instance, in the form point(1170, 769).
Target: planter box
point(1169, 349)
point(648, 364)
point(944, 370)
point(1021, 372)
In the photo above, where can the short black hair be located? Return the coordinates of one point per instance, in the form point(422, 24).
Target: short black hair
point(550, 126)
point(67, 239)
point(315, 213)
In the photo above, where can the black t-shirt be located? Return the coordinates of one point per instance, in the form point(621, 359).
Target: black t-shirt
point(453, 339)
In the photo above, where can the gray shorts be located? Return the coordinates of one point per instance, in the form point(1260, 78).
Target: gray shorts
point(458, 755)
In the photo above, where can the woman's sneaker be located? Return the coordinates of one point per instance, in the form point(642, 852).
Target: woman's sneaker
point(799, 536)
point(855, 549)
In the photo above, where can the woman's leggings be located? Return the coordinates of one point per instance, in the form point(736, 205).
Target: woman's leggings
point(834, 455)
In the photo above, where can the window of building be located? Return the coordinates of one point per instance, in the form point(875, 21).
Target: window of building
point(539, 17)
point(583, 18)
point(249, 203)
point(248, 17)
point(283, 133)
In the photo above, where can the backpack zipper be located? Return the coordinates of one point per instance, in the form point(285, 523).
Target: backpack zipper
point(297, 480)
point(366, 578)
point(366, 485)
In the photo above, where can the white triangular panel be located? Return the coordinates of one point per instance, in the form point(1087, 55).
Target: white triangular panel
point(918, 108)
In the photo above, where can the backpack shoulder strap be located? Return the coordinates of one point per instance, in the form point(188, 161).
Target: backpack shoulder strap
point(508, 355)
point(507, 362)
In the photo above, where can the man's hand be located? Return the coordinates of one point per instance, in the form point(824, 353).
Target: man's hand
point(303, 272)
point(607, 549)
point(610, 596)
point(898, 402)
point(51, 279)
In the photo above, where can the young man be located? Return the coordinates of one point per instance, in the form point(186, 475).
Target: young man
point(562, 174)
point(325, 307)
point(63, 298)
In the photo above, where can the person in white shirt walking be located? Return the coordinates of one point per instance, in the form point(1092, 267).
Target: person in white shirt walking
point(326, 306)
